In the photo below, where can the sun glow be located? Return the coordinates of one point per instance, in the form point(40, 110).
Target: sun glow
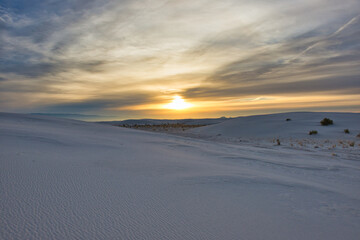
point(178, 103)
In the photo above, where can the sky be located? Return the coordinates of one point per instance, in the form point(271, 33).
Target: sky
point(122, 59)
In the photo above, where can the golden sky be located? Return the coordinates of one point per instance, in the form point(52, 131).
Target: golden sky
point(179, 59)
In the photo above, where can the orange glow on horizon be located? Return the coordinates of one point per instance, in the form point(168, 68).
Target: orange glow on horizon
point(177, 107)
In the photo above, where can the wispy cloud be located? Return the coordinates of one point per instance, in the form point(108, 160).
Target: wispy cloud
point(95, 56)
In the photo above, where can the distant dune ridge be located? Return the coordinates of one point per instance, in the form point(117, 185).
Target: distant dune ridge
point(68, 179)
point(204, 121)
point(286, 125)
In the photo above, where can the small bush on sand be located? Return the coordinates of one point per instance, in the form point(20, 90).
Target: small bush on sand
point(351, 144)
point(346, 131)
point(288, 119)
point(326, 121)
point(313, 132)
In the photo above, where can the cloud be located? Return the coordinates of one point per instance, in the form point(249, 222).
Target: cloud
point(346, 85)
point(99, 104)
point(328, 63)
point(77, 55)
point(35, 70)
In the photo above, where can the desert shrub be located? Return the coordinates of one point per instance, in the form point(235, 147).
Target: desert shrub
point(313, 132)
point(358, 135)
point(346, 131)
point(288, 119)
point(351, 144)
point(326, 121)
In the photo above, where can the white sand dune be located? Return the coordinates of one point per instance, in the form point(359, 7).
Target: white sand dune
point(275, 125)
point(67, 179)
point(266, 129)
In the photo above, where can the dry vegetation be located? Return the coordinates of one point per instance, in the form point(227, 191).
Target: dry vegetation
point(326, 122)
point(162, 127)
point(313, 132)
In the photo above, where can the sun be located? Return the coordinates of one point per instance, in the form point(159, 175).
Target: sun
point(178, 103)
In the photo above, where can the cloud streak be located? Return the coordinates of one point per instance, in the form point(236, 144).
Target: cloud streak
point(103, 56)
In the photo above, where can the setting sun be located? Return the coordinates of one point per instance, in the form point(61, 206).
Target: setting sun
point(178, 103)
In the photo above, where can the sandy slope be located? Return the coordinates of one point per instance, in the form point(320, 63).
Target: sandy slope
point(64, 179)
point(274, 126)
